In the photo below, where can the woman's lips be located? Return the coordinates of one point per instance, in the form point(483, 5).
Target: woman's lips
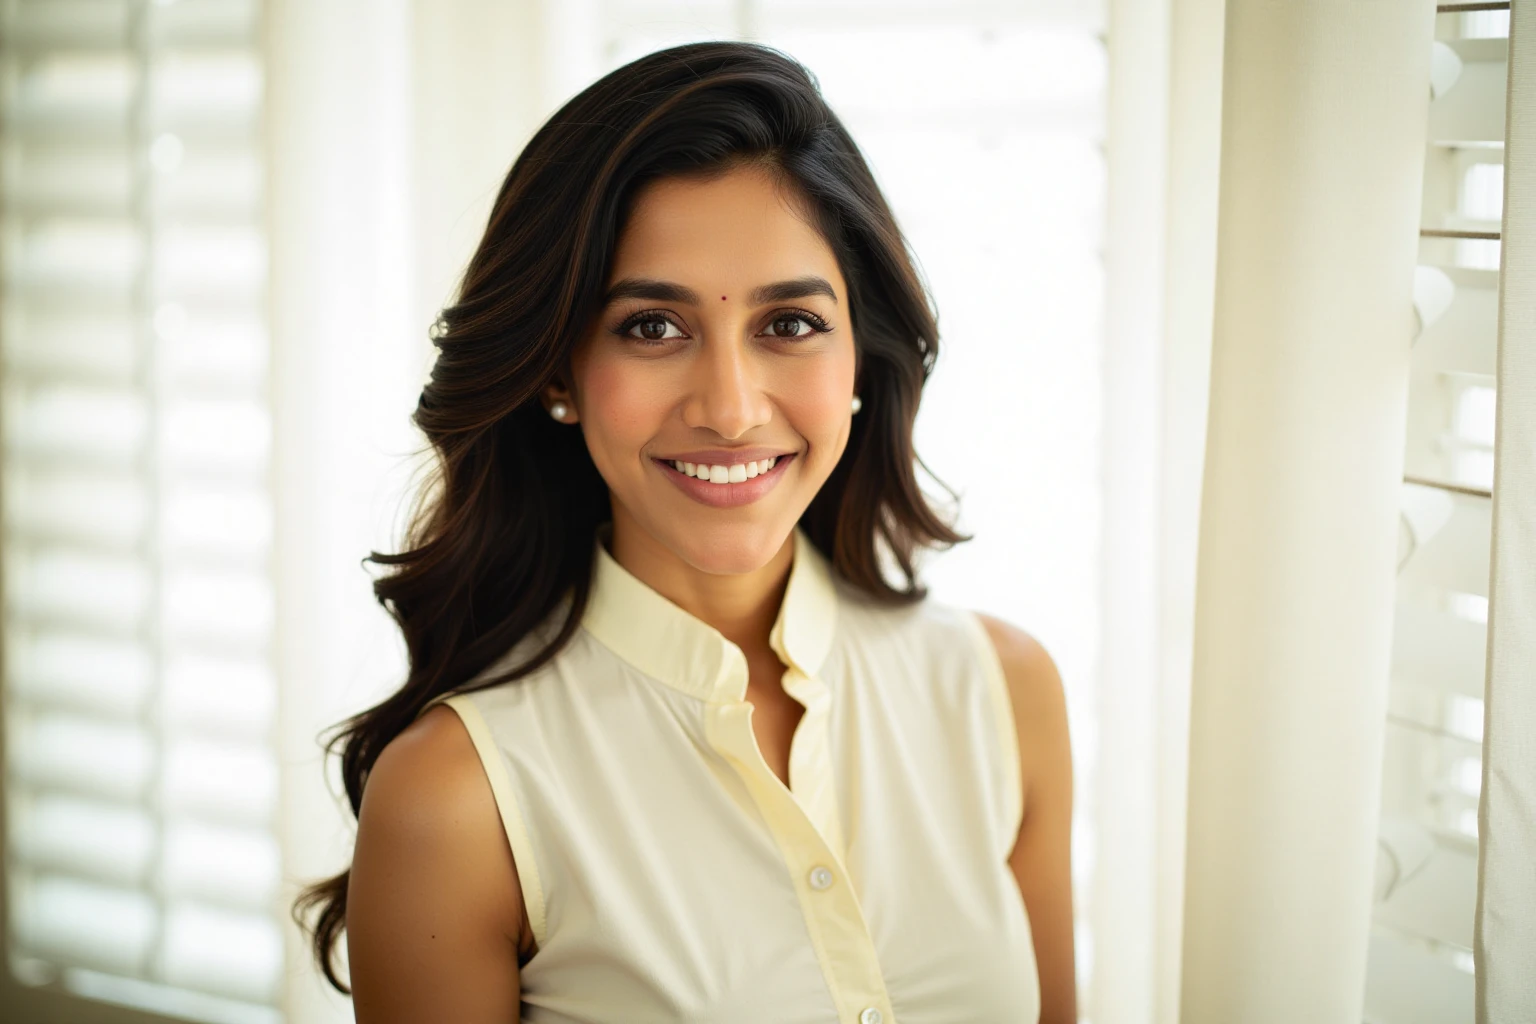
point(726, 495)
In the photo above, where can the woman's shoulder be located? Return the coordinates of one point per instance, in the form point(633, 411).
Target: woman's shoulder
point(428, 815)
point(424, 779)
point(427, 797)
point(937, 625)
point(1033, 681)
point(1023, 657)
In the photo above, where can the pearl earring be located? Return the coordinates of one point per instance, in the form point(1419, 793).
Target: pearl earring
point(558, 410)
point(857, 403)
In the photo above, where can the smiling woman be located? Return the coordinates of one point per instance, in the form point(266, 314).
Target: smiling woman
point(705, 749)
point(724, 383)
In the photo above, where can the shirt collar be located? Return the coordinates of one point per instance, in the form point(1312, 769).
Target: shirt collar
point(674, 647)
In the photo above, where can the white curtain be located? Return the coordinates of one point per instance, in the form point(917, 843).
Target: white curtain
point(1303, 468)
point(348, 357)
point(1505, 940)
point(1160, 252)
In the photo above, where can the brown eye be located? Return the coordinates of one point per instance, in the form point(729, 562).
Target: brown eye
point(811, 323)
point(791, 326)
point(653, 328)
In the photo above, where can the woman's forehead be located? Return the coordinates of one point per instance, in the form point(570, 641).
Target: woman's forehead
point(737, 231)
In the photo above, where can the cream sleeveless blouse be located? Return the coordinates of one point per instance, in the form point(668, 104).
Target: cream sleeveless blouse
point(669, 875)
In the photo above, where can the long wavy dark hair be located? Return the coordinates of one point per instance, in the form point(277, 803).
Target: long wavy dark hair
point(502, 531)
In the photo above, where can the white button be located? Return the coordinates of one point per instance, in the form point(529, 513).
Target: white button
point(821, 878)
point(870, 1016)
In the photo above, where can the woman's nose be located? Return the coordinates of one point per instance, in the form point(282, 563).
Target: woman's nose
point(726, 394)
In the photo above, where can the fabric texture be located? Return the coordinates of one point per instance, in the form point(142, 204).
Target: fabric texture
point(670, 875)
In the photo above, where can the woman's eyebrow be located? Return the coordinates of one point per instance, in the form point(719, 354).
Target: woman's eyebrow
point(667, 291)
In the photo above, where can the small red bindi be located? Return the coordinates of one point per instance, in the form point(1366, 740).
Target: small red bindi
point(722, 298)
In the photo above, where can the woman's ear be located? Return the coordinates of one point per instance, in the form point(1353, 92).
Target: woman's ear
point(558, 401)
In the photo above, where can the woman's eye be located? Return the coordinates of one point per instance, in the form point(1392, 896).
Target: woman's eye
point(653, 329)
point(795, 325)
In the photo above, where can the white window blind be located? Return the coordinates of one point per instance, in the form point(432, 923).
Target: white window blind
point(1420, 965)
point(984, 124)
point(141, 866)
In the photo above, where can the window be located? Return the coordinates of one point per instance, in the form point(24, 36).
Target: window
point(139, 701)
point(1420, 966)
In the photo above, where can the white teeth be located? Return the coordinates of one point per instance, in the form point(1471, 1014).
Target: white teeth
point(741, 472)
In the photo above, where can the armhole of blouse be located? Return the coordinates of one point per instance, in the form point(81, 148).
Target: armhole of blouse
point(1007, 727)
point(506, 805)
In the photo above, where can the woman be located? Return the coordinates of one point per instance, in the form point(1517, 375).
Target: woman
point(673, 745)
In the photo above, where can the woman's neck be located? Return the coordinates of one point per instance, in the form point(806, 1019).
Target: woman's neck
point(741, 606)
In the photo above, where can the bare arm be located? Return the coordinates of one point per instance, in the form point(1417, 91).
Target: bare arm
point(1042, 856)
point(434, 909)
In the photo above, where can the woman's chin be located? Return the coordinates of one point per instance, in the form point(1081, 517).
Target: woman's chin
point(728, 549)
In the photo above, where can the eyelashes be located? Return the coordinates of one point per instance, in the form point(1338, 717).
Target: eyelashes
point(817, 325)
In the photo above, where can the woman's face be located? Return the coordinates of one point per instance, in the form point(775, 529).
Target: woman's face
point(724, 343)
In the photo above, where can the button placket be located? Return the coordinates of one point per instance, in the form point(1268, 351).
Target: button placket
point(832, 912)
point(810, 756)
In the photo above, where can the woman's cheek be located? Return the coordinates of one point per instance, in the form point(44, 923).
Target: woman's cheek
point(818, 399)
point(622, 408)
